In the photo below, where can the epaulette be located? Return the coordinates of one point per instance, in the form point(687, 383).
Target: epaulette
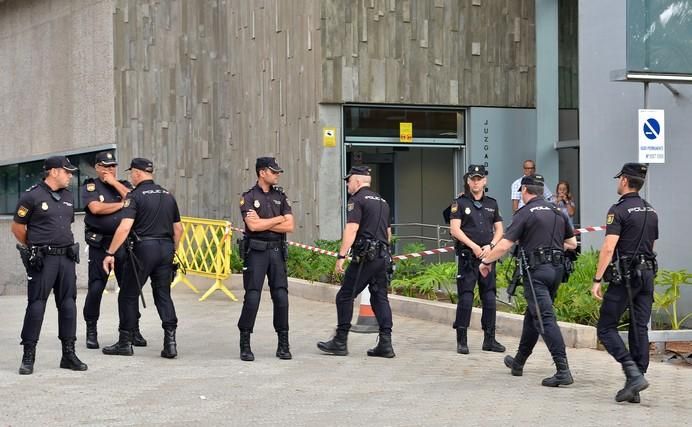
point(279, 189)
point(32, 187)
point(491, 198)
point(247, 191)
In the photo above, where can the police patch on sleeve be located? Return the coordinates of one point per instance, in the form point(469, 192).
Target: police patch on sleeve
point(242, 201)
point(350, 206)
point(91, 187)
point(610, 219)
point(454, 208)
point(22, 211)
point(126, 203)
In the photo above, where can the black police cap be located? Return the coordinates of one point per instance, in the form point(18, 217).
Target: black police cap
point(56, 162)
point(105, 158)
point(357, 170)
point(267, 162)
point(142, 164)
point(477, 170)
point(637, 170)
point(533, 180)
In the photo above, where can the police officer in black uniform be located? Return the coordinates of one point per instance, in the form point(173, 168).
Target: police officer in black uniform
point(103, 199)
point(628, 262)
point(268, 217)
point(152, 221)
point(43, 227)
point(367, 234)
point(476, 224)
point(543, 234)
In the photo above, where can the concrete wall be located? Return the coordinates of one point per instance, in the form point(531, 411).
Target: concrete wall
point(608, 136)
point(56, 62)
point(465, 52)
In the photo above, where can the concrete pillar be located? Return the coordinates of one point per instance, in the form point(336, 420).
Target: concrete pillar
point(547, 114)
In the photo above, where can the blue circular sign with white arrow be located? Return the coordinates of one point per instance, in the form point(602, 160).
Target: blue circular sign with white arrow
point(652, 128)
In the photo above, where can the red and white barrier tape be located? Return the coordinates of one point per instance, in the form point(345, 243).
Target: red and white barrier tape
point(447, 249)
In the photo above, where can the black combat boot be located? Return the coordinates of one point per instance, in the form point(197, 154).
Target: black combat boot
point(121, 348)
point(516, 364)
point(462, 341)
point(490, 344)
point(633, 385)
point(27, 366)
point(170, 349)
point(562, 377)
point(283, 350)
point(91, 335)
point(635, 399)
point(384, 347)
point(245, 350)
point(137, 338)
point(337, 345)
point(69, 358)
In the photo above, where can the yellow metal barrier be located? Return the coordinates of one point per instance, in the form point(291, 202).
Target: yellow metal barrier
point(205, 250)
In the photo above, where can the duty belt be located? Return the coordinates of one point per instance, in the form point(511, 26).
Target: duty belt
point(640, 262)
point(546, 256)
point(266, 244)
point(144, 239)
point(50, 250)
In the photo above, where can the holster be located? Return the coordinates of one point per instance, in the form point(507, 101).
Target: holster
point(73, 252)
point(93, 239)
point(24, 254)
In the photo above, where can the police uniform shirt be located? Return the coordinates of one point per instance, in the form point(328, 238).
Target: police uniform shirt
point(627, 219)
point(371, 211)
point(47, 214)
point(95, 190)
point(267, 205)
point(154, 210)
point(539, 224)
point(478, 217)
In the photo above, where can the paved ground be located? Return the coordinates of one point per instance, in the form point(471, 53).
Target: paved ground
point(426, 384)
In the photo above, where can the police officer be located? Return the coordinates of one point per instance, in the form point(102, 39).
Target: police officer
point(152, 220)
point(476, 224)
point(268, 217)
point(43, 227)
point(103, 199)
point(543, 234)
point(367, 234)
point(628, 262)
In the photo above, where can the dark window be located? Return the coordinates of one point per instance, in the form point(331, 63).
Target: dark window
point(384, 122)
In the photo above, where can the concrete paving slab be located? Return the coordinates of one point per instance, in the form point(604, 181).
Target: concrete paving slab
point(428, 383)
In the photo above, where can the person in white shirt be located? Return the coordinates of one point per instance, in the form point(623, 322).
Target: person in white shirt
point(529, 169)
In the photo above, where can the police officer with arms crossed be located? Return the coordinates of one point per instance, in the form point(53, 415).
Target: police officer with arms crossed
point(152, 220)
point(543, 234)
point(476, 224)
point(368, 233)
point(103, 200)
point(631, 230)
point(268, 217)
point(43, 227)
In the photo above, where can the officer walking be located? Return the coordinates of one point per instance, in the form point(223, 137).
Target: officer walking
point(103, 200)
point(543, 234)
point(628, 262)
point(152, 221)
point(43, 227)
point(367, 234)
point(476, 224)
point(268, 217)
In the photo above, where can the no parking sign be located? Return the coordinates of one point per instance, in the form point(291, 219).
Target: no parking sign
point(652, 136)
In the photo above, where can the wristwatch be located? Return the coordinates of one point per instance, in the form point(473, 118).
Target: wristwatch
point(492, 245)
point(595, 280)
point(485, 263)
point(109, 254)
point(341, 256)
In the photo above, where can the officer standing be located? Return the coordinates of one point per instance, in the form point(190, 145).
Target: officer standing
point(152, 221)
point(476, 224)
point(103, 202)
point(367, 234)
point(43, 227)
point(268, 217)
point(543, 234)
point(628, 262)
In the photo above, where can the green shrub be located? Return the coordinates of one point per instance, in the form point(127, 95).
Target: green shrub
point(667, 301)
point(309, 265)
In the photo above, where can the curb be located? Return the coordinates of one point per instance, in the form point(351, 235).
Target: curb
point(575, 335)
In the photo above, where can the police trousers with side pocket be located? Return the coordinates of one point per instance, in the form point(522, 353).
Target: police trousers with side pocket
point(264, 259)
point(98, 277)
point(467, 277)
point(58, 274)
point(156, 264)
point(615, 302)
